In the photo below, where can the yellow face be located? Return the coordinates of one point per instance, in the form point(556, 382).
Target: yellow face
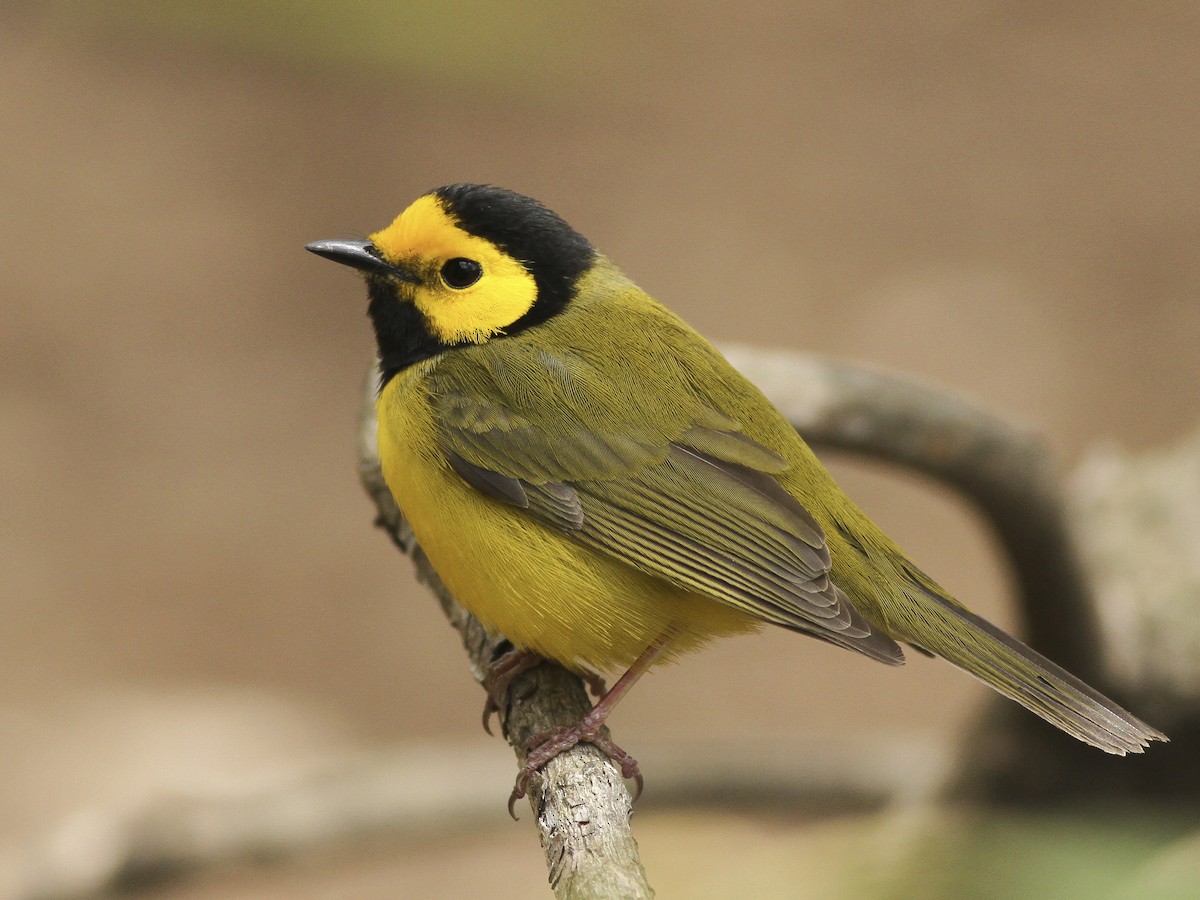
point(423, 240)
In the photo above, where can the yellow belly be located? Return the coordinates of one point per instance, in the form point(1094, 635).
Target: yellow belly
point(534, 585)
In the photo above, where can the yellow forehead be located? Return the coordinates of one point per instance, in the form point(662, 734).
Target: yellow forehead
point(426, 231)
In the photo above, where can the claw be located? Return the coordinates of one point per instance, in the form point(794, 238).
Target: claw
point(518, 792)
point(489, 709)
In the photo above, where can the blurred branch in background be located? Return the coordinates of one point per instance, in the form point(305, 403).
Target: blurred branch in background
point(1004, 470)
point(1136, 522)
point(1126, 624)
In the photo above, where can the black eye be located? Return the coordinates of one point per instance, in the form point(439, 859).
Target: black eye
point(461, 273)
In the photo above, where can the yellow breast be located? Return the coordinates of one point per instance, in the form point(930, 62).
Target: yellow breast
point(534, 585)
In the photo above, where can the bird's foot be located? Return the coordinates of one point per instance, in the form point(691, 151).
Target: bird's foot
point(506, 667)
point(542, 748)
point(499, 677)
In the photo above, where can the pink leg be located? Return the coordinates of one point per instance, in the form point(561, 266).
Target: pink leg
point(544, 747)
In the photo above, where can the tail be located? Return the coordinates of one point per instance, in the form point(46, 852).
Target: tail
point(1024, 675)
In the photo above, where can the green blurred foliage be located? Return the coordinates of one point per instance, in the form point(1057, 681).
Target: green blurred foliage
point(995, 855)
point(925, 853)
point(530, 46)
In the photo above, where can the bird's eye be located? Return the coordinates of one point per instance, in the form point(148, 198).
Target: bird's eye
point(460, 272)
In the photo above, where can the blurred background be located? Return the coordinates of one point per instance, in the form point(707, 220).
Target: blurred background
point(1000, 198)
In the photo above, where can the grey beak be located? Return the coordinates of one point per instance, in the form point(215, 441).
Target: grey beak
point(359, 255)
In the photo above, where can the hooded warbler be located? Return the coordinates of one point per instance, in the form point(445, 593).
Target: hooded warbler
point(593, 480)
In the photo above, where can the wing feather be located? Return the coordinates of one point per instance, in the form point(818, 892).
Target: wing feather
point(685, 496)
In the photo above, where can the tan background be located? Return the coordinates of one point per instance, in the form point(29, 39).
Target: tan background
point(1002, 198)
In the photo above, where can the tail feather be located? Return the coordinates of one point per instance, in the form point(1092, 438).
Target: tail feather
point(1024, 675)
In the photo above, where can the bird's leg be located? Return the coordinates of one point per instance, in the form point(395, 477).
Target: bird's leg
point(544, 747)
point(507, 666)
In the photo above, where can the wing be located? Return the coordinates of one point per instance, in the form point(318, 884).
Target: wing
point(675, 490)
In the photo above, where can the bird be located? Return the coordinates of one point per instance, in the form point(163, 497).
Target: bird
point(591, 478)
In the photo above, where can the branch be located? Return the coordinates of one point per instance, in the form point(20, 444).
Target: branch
point(581, 804)
point(1137, 524)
